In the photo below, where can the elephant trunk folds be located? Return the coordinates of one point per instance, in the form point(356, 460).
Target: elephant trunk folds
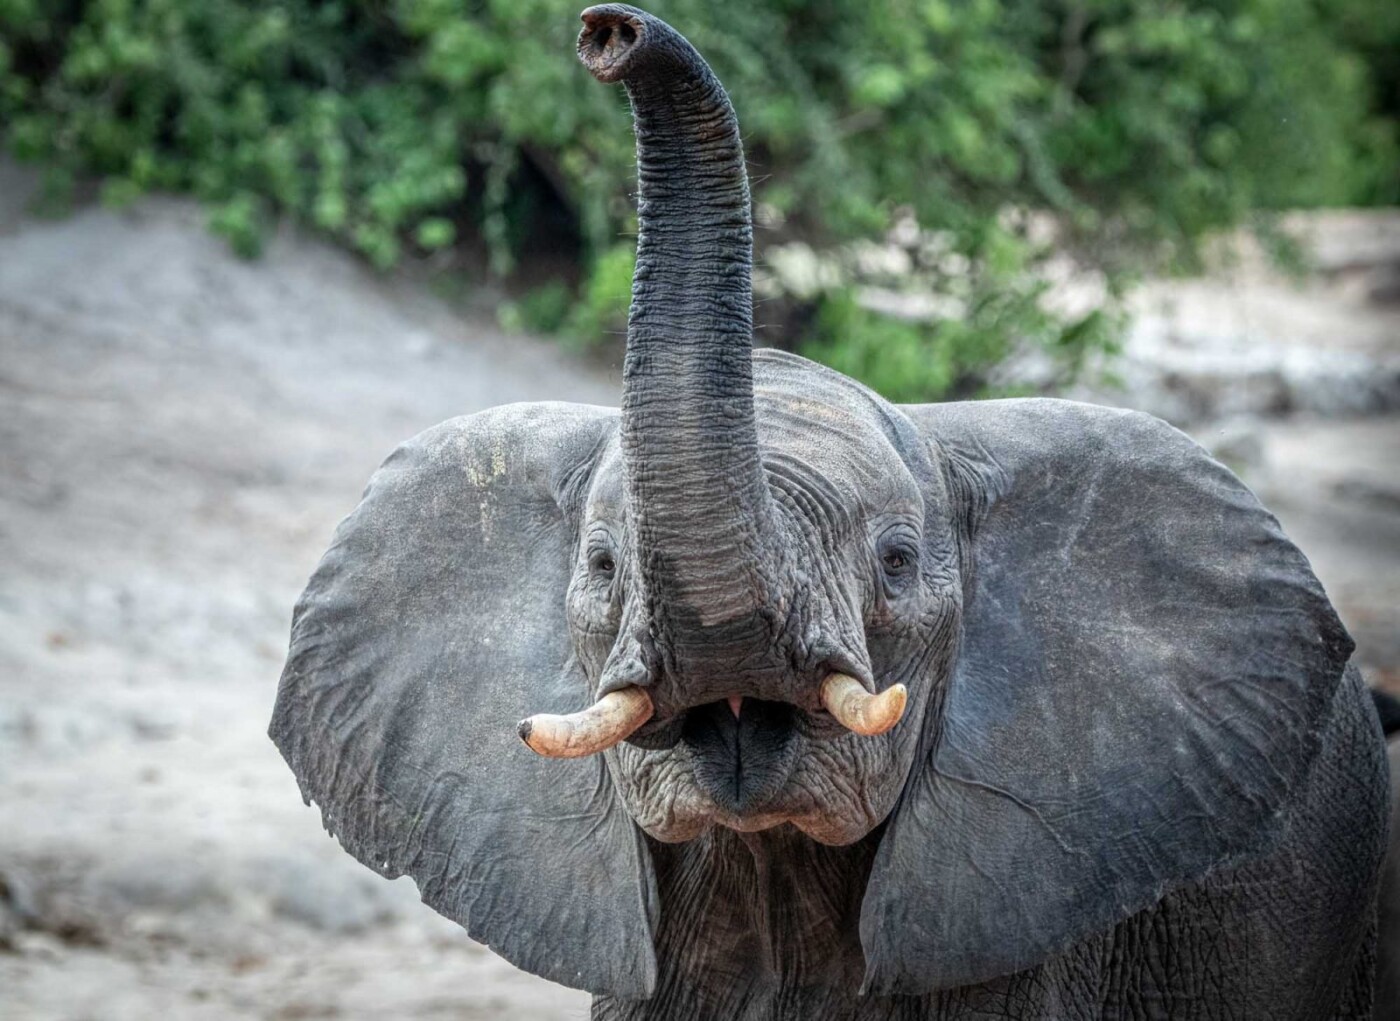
point(698, 498)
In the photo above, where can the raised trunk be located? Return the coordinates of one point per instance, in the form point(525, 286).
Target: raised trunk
point(699, 501)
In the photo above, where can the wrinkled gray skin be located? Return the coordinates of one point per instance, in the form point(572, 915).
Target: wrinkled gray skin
point(1136, 777)
point(1387, 1005)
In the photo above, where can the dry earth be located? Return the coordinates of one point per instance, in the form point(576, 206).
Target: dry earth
point(179, 433)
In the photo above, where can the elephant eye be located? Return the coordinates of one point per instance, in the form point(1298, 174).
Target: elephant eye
point(898, 561)
point(602, 563)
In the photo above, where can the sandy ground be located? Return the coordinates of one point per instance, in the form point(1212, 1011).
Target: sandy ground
point(179, 433)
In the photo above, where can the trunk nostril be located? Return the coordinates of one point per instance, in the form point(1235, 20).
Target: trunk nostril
point(606, 42)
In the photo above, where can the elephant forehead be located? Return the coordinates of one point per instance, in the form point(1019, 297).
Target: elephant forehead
point(837, 436)
point(816, 428)
point(842, 450)
point(607, 491)
point(803, 442)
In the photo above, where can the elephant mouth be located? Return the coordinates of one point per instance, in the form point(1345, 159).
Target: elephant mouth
point(742, 751)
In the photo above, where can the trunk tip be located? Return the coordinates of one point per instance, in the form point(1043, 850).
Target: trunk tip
point(610, 37)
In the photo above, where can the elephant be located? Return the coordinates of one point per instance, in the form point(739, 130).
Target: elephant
point(1387, 993)
point(833, 708)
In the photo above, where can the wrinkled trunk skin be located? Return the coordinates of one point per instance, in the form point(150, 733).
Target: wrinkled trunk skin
point(698, 499)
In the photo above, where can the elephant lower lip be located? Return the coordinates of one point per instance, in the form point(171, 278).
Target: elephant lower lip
point(741, 761)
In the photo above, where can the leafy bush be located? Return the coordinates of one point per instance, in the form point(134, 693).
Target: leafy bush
point(405, 125)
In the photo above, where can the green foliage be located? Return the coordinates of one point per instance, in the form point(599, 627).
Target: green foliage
point(952, 357)
point(544, 309)
point(396, 125)
point(596, 314)
point(607, 291)
point(1371, 31)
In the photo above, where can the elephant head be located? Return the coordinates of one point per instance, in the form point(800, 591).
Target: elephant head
point(711, 606)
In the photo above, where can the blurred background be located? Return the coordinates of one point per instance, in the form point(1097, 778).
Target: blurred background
point(247, 247)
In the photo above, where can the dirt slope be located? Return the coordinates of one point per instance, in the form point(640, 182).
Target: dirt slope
point(179, 433)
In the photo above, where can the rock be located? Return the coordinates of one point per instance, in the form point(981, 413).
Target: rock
point(1189, 376)
point(17, 908)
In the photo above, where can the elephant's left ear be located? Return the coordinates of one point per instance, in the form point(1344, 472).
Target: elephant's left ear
point(433, 624)
point(1146, 665)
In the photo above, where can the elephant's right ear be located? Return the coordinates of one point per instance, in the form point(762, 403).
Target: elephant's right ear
point(433, 624)
point(1145, 671)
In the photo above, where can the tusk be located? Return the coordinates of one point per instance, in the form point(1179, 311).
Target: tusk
point(858, 710)
point(603, 724)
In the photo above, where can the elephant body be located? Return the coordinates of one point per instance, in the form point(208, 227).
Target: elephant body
point(767, 927)
point(1387, 1005)
point(843, 709)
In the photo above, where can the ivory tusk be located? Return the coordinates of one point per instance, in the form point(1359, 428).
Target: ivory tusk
point(858, 710)
point(603, 724)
